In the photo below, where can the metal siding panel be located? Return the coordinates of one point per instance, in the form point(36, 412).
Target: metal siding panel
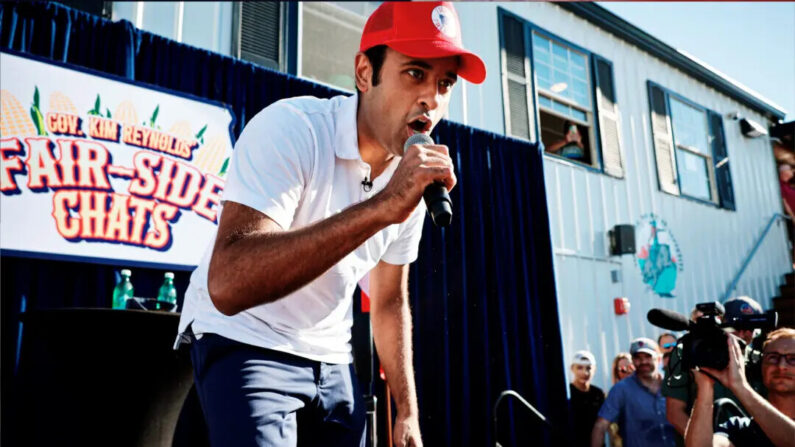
point(575, 209)
point(605, 218)
point(550, 185)
point(642, 194)
point(558, 207)
point(587, 229)
point(603, 359)
point(566, 210)
point(564, 295)
point(597, 225)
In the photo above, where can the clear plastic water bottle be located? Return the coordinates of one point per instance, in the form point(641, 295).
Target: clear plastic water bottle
point(123, 290)
point(167, 292)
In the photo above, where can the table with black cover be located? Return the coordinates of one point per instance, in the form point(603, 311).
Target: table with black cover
point(99, 377)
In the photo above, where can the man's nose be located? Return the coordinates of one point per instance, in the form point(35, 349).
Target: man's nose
point(429, 96)
point(782, 363)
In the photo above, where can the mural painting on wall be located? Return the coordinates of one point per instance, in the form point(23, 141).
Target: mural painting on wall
point(659, 256)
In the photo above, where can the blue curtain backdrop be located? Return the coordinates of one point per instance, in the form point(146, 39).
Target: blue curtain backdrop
point(482, 292)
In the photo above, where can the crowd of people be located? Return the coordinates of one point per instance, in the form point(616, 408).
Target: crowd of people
point(654, 401)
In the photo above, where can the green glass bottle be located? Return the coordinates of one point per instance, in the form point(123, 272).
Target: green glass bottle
point(123, 290)
point(168, 292)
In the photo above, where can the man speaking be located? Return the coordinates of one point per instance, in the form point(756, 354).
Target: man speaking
point(319, 193)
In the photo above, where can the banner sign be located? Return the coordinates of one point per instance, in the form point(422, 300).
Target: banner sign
point(93, 166)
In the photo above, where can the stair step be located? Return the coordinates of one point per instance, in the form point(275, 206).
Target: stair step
point(783, 302)
point(785, 306)
point(787, 291)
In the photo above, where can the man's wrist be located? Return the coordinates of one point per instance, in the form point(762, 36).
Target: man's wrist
point(706, 393)
point(409, 412)
point(383, 207)
point(742, 390)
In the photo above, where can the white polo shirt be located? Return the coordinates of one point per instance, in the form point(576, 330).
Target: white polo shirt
point(298, 162)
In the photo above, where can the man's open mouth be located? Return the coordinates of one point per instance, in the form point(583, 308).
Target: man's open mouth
point(421, 124)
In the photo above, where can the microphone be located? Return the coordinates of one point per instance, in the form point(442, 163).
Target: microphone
point(367, 185)
point(668, 319)
point(437, 199)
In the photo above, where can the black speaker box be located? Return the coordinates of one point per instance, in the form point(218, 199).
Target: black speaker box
point(622, 239)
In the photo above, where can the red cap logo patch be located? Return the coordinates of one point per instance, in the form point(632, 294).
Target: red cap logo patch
point(444, 20)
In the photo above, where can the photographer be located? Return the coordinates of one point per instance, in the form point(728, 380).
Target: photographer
point(771, 421)
point(679, 388)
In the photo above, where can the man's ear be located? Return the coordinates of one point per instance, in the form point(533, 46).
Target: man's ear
point(363, 71)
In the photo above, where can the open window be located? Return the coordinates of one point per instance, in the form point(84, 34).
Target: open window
point(559, 94)
point(565, 109)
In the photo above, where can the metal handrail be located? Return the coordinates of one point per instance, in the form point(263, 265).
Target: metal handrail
point(517, 396)
point(750, 256)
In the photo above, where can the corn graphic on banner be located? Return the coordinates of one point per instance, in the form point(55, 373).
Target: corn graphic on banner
point(97, 167)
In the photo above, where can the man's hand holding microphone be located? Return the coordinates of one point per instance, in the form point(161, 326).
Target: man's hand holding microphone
point(426, 170)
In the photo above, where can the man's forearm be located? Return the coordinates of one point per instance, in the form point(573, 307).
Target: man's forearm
point(598, 432)
point(699, 428)
point(676, 413)
point(391, 321)
point(254, 266)
point(776, 425)
point(556, 146)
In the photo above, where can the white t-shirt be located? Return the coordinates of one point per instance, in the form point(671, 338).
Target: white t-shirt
point(298, 162)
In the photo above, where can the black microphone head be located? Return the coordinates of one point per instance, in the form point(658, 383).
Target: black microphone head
point(668, 319)
point(417, 138)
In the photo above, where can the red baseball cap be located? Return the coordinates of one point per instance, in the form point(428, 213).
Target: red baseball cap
point(422, 29)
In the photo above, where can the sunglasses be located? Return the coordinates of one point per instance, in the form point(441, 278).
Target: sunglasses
point(625, 369)
point(669, 345)
point(773, 358)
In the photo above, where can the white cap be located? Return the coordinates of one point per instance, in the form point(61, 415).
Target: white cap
point(583, 358)
point(169, 275)
point(126, 272)
point(645, 345)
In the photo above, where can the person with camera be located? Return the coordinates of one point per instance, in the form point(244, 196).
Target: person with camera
point(772, 421)
point(678, 386)
point(571, 145)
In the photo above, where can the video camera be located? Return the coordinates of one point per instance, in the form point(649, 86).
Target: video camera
point(705, 342)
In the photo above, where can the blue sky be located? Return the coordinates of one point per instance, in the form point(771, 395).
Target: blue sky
point(752, 43)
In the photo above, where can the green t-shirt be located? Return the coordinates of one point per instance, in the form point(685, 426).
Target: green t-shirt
point(681, 386)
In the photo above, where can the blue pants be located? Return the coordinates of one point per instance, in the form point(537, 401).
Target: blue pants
point(259, 397)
